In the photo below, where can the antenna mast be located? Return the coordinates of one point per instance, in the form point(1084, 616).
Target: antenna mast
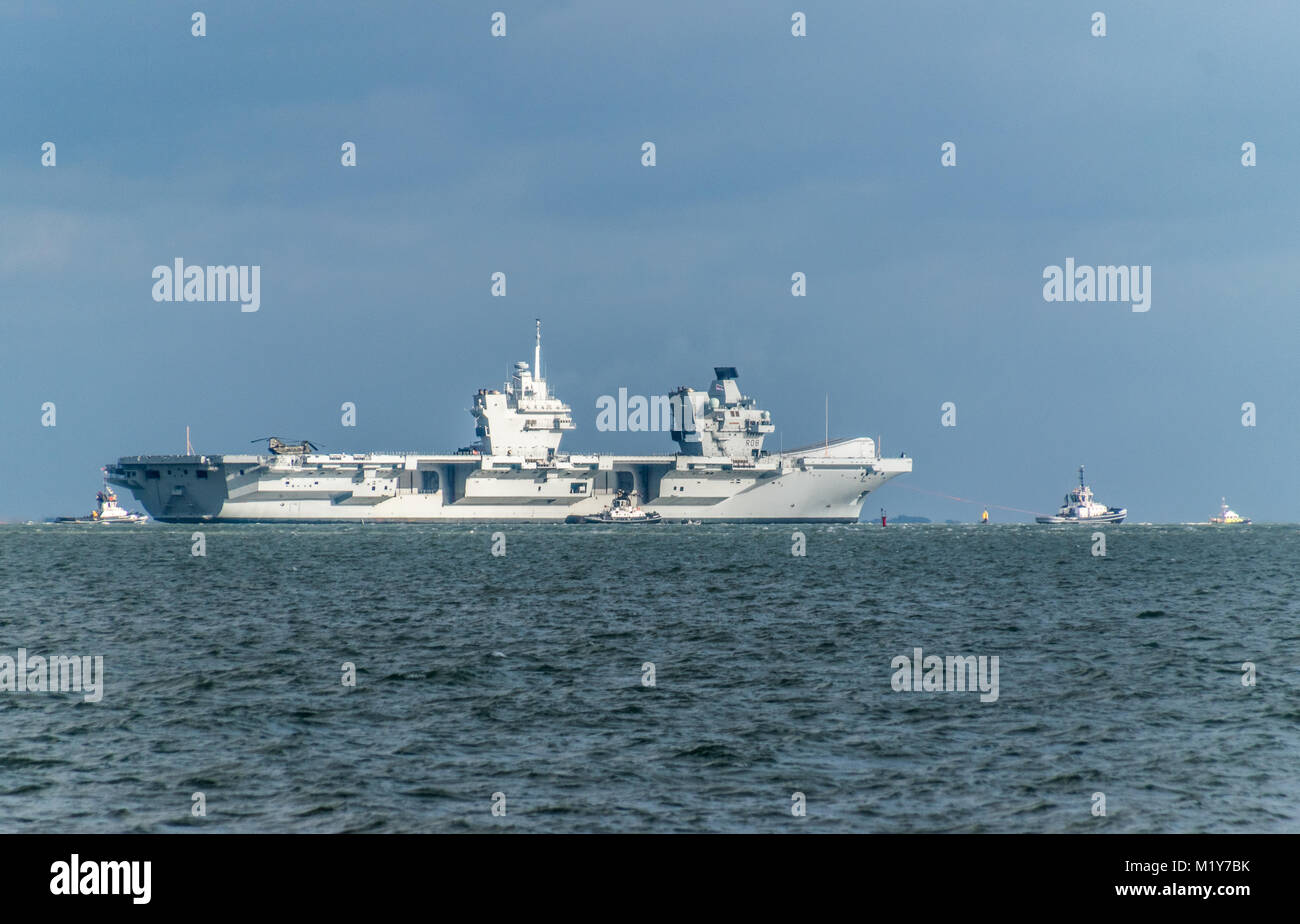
point(827, 450)
point(537, 352)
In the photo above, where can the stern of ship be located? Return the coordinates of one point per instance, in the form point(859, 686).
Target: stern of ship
point(173, 489)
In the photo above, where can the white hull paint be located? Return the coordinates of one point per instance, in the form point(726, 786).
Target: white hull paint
point(1113, 517)
point(822, 484)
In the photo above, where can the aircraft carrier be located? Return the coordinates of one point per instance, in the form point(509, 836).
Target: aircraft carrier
point(516, 472)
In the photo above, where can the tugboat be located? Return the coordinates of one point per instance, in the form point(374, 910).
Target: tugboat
point(107, 510)
point(623, 510)
point(1228, 517)
point(1079, 507)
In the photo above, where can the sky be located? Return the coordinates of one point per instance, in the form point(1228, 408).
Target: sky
point(775, 154)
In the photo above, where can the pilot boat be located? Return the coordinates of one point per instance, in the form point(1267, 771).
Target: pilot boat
point(1228, 517)
point(1080, 507)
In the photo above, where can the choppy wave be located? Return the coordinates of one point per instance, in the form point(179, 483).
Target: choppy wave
point(522, 675)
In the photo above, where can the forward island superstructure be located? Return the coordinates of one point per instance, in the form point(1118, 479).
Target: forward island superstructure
point(515, 470)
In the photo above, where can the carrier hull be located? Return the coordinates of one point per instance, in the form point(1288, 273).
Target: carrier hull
point(825, 484)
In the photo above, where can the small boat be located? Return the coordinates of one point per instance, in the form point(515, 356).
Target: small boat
point(1228, 517)
point(107, 510)
point(623, 510)
point(1080, 507)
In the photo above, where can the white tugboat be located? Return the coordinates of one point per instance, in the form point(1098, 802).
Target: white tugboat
point(623, 509)
point(1227, 516)
point(1080, 507)
point(107, 510)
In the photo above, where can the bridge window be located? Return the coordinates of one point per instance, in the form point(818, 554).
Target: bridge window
point(151, 473)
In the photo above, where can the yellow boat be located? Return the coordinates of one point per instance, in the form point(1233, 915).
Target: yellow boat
point(1228, 517)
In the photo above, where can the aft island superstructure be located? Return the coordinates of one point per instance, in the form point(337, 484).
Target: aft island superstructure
point(515, 470)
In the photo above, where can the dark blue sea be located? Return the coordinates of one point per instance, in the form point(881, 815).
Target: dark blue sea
point(523, 675)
